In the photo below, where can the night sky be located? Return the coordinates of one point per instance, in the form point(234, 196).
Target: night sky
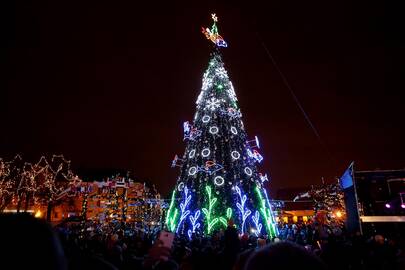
point(109, 83)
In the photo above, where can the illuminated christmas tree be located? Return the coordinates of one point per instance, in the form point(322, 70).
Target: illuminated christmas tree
point(219, 179)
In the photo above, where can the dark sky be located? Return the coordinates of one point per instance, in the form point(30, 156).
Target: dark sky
point(109, 83)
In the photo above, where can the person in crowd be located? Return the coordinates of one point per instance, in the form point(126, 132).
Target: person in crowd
point(283, 255)
point(29, 243)
point(132, 247)
point(231, 245)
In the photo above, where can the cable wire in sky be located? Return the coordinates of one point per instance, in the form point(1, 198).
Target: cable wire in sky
point(297, 102)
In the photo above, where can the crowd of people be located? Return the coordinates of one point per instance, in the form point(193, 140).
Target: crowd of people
point(299, 246)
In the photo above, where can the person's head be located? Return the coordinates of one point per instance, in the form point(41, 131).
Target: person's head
point(379, 239)
point(114, 238)
point(230, 223)
point(244, 237)
point(261, 242)
point(283, 255)
point(32, 241)
point(276, 239)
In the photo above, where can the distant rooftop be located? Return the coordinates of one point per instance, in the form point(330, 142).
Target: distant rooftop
point(91, 174)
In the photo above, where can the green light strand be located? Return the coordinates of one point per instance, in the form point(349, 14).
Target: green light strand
point(223, 221)
point(170, 207)
point(214, 29)
point(229, 213)
point(208, 212)
point(265, 213)
point(172, 221)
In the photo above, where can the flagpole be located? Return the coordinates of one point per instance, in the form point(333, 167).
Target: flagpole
point(356, 199)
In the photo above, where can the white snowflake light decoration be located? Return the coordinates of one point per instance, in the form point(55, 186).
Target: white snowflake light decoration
point(221, 73)
point(213, 104)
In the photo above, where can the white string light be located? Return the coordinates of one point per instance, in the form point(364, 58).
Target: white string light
point(214, 130)
point(219, 181)
point(191, 154)
point(180, 186)
point(231, 92)
point(205, 152)
point(248, 171)
point(234, 130)
point(235, 155)
point(206, 119)
point(192, 171)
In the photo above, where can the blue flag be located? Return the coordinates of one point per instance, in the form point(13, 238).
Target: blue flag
point(346, 180)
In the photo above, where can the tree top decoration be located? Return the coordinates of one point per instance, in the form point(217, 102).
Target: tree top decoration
point(212, 34)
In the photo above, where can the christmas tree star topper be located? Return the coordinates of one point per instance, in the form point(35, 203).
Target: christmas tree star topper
point(214, 17)
point(212, 34)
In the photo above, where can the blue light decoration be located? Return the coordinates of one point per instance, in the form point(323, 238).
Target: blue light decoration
point(194, 224)
point(210, 167)
point(241, 206)
point(255, 155)
point(263, 178)
point(190, 132)
point(183, 208)
point(231, 112)
point(258, 225)
point(221, 42)
point(176, 161)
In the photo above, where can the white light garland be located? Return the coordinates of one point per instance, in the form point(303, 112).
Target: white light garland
point(231, 92)
point(235, 155)
point(248, 171)
point(234, 130)
point(214, 130)
point(180, 186)
point(192, 170)
point(206, 119)
point(219, 181)
point(191, 154)
point(205, 152)
point(207, 83)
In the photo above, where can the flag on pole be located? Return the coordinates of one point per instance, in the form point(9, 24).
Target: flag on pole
point(346, 180)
